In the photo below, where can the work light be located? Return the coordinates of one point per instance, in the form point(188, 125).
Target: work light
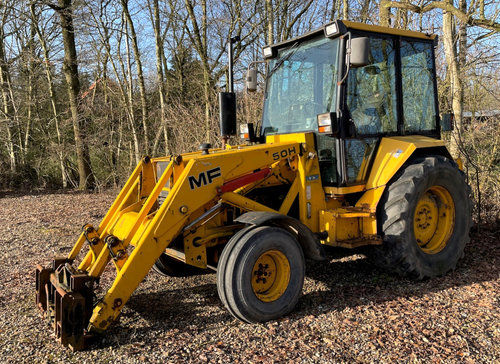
point(331, 29)
point(247, 132)
point(327, 123)
point(269, 52)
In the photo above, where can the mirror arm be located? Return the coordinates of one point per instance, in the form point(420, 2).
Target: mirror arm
point(254, 62)
point(251, 64)
point(348, 58)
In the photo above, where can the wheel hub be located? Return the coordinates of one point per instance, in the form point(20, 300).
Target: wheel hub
point(270, 275)
point(434, 219)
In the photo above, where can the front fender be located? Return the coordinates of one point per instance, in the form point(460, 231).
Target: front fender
point(308, 241)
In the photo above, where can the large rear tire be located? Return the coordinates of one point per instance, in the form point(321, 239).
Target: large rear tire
point(424, 218)
point(260, 274)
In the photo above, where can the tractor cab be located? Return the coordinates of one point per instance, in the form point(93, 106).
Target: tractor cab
point(361, 82)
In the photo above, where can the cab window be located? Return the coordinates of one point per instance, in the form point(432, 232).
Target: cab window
point(371, 91)
point(419, 110)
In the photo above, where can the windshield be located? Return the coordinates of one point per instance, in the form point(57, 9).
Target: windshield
point(301, 84)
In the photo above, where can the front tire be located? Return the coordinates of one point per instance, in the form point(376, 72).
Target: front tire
point(260, 274)
point(424, 218)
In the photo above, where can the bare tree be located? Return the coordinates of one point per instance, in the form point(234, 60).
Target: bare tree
point(137, 56)
point(155, 18)
point(454, 74)
point(466, 17)
point(6, 97)
point(236, 22)
point(53, 100)
point(269, 21)
point(70, 70)
point(104, 30)
point(450, 12)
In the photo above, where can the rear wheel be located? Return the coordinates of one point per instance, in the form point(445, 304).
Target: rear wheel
point(424, 218)
point(260, 274)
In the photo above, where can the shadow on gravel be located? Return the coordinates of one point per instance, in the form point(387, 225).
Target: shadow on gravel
point(354, 282)
point(193, 309)
point(346, 280)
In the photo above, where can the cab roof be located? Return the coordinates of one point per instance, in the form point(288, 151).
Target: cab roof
point(345, 26)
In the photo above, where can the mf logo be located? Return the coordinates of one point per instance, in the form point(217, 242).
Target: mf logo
point(204, 178)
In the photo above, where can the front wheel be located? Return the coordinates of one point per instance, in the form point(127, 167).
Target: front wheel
point(424, 218)
point(260, 274)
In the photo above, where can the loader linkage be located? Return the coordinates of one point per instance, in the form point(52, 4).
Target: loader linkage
point(65, 297)
point(175, 204)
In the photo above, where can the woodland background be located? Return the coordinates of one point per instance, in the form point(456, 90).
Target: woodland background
point(88, 87)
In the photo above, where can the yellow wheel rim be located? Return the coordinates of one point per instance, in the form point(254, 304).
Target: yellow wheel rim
point(270, 275)
point(434, 219)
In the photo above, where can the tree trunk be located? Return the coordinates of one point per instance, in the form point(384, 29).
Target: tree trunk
point(131, 99)
point(333, 9)
point(384, 12)
point(7, 107)
point(15, 119)
point(270, 21)
point(206, 94)
point(345, 9)
point(364, 12)
point(140, 76)
point(159, 74)
point(70, 70)
point(456, 82)
point(200, 42)
point(52, 94)
point(31, 71)
point(462, 39)
point(401, 17)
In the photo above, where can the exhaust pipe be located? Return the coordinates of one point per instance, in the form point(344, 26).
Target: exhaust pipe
point(227, 100)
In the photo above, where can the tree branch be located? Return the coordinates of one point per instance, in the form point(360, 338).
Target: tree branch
point(489, 24)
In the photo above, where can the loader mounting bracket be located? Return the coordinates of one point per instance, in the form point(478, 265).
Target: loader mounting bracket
point(65, 296)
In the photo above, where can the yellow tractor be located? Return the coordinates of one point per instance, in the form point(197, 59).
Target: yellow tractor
point(348, 154)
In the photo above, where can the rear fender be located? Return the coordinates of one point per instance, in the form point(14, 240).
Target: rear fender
point(306, 238)
point(392, 154)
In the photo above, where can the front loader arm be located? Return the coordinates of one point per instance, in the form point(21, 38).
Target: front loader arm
point(137, 229)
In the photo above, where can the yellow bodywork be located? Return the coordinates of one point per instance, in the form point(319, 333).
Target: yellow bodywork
point(138, 228)
point(358, 225)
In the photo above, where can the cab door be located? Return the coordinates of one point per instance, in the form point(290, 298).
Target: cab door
point(372, 108)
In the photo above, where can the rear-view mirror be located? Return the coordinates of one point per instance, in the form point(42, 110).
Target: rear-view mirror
point(251, 80)
point(447, 122)
point(360, 50)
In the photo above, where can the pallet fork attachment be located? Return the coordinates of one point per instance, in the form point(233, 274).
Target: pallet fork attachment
point(65, 298)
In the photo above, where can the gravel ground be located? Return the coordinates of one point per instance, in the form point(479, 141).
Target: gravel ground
point(349, 312)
